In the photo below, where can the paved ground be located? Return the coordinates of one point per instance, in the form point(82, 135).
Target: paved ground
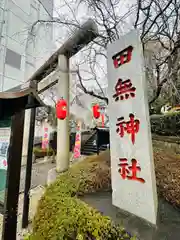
point(39, 178)
point(168, 226)
point(39, 174)
point(35, 195)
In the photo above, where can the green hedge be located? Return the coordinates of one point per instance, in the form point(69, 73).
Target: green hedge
point(62, 215)
point(167, 125)
point(40, 153)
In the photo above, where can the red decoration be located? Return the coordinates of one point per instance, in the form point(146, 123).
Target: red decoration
point(45, 140)
point(131, 127)
point(96, 112)
point(102, 117)
point(77, 138)
point(61, 109)
point(122, 57)
point(129, 171)
point(5, 163)
point(77, 147)
point(124, 89)
point(45, 135)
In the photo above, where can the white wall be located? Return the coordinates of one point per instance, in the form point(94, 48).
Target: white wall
point(19, 15)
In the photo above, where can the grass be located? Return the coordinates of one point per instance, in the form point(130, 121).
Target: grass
point(167, 167)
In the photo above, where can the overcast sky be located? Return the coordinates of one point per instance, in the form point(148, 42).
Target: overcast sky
point(61, 33)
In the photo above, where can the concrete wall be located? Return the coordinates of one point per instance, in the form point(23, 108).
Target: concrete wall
point(21, 52)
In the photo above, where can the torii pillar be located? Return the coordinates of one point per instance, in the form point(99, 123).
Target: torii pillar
point(62, 160)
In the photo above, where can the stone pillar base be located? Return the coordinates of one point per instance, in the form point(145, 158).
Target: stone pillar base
point(52, 175)
point(46, 158)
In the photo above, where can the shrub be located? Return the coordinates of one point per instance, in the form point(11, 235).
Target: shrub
point(61, 215)
point(40, 153)
point(167, 125)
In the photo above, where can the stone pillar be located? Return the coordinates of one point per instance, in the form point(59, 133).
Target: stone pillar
point(63, 144)
point(25, 137)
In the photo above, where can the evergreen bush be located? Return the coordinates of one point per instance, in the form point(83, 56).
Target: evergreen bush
point(167, 125)
point(61, 215)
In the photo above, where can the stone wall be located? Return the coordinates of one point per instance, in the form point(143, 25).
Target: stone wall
point(172, 143)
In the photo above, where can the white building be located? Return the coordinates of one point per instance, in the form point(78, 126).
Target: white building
point(22, 51)
point(23, 48)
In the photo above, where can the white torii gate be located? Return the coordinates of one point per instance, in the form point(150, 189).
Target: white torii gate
point(57, 67)
point(85, 110)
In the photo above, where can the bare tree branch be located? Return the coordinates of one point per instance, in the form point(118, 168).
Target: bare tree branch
point(159, 25)
point(90, 92)
point(158, 91)
point(138, 13)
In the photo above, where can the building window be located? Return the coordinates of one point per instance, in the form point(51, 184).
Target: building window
point(13, 59)
point(30, 64)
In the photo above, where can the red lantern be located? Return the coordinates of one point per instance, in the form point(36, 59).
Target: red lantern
point(61, 109)
point(96, 112)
